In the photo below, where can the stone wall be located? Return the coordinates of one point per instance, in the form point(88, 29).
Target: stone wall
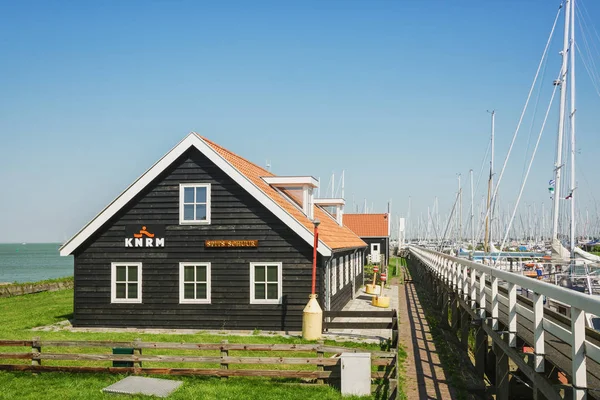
point(20, 289)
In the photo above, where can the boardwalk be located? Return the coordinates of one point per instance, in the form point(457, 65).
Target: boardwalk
point(425, 377)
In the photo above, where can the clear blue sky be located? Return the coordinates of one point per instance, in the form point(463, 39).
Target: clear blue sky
point(394, 92)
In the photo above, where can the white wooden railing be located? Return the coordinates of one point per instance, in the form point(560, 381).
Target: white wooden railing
point(473, 282)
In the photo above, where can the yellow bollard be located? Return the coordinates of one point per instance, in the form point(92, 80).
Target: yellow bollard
point(370, 288)
point(312, 319)
point(381, 301)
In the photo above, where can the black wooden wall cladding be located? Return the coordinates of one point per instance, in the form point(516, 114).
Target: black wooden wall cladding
point(236, 215)
point(344, 295)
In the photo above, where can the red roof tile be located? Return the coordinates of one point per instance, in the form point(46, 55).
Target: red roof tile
point(330, 232)
point(368, 225)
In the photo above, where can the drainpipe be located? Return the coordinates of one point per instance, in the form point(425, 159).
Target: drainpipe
point(312, 315)
point(314, 265)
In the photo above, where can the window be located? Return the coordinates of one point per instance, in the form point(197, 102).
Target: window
point(126, 283)
point(265, 283)
point(341, 271)
point(194, 283)
point(347, 265)
point(194, 203)
point(333, 277)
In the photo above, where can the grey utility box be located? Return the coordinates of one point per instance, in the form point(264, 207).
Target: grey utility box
point(356, 374)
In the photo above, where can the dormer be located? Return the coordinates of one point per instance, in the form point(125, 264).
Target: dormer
point(298, 189)
point(335, 207)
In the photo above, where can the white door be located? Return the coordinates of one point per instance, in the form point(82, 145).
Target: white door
point(375, 252)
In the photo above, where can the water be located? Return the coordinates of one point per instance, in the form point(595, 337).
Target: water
point(33, 262)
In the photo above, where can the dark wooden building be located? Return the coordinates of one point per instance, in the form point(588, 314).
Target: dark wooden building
point(207, 240)
point(373, 229)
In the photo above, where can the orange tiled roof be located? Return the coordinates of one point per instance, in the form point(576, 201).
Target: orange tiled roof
point(330, 233)
point(367, 225)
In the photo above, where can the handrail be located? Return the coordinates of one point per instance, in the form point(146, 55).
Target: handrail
point(468, 280)
point(576, 299)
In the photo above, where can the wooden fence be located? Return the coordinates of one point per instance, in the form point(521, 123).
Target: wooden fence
point(384, 363)
point(329, 322)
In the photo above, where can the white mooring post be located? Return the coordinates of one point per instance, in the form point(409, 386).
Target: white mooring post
point(482, 299)
point(473, 289)
point(495, 303)
point(466, 283)
point(460, 279)
point(538, 331)
point(578, 354)
point(512, 315)
point(454, 276)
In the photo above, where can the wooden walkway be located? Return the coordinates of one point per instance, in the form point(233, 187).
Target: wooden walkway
point(424, 375)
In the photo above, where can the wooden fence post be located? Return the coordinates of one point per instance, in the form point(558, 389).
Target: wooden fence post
point(224, 353)
point(36, 347)
point(395, 329)
point(137, 351)
point(320, 356)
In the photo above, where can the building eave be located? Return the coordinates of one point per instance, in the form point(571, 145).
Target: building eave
point(191, 140)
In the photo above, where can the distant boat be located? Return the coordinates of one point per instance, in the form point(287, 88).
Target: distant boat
point(23, 243)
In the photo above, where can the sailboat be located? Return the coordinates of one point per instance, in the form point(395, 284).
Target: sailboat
point(573, 256)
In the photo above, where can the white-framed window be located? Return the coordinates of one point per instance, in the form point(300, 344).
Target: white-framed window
point(126, 282)
point(265, 282)
point(333, 277)
point(194, 203)
point(194, 283)
point(347, 268)
point(341, 271)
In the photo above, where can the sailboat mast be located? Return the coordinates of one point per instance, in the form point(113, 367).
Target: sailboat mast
point(492, 200)
point(543, 223)
point(459, 211)
point(408, 223)
point(561, 122)
point(472, 216)
point(488, 217)
point(572, 125)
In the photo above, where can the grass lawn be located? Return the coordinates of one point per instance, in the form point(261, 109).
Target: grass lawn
point(21, 313)
point(89, 386)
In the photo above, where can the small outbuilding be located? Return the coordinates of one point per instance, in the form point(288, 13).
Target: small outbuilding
point(205, 239)
point(374, 229)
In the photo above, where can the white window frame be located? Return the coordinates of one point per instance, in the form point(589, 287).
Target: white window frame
point(182, 299)
point(253, 299)
point(182, 187)
point(113, 282)
point(333, 277)
point(341, 271)
point(347, 264)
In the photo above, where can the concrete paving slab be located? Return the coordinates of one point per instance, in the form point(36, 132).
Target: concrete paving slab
point(141, 385)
